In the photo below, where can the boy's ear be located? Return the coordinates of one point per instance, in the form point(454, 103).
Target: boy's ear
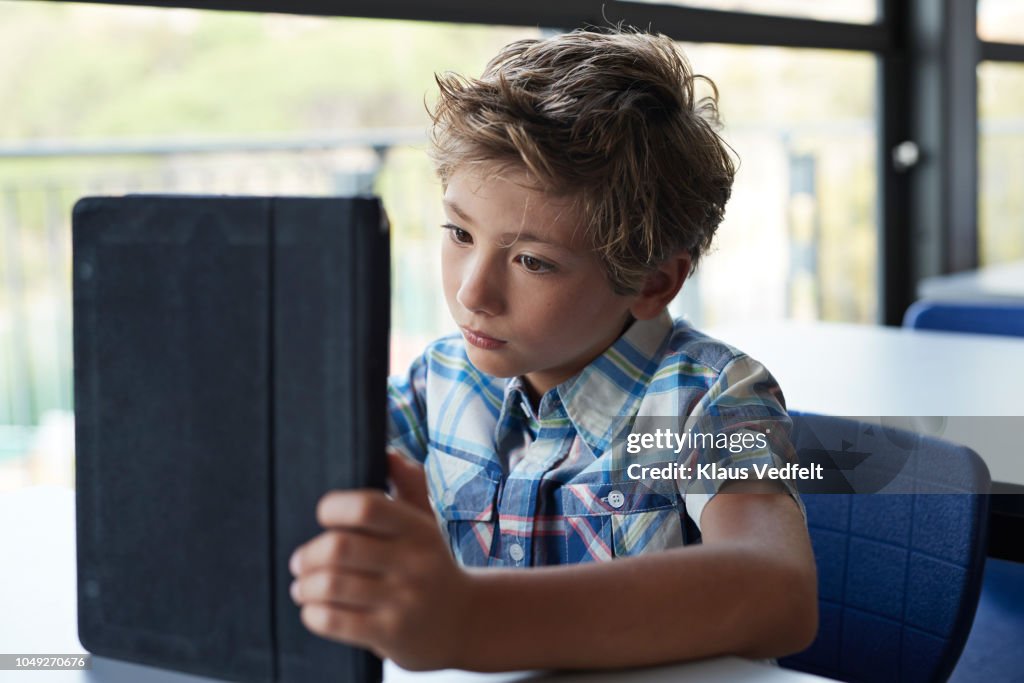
point(661, 286)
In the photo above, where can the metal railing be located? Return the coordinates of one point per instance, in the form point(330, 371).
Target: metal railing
point(39, 182)
point(35, 214)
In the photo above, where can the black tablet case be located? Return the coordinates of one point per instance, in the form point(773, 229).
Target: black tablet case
point(230, 368)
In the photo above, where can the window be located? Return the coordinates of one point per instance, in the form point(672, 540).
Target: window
point(1000, 162)
point(1001, 135)
point(799, 237)
point(143, 99)
point(1001, 21)
point(128, 99)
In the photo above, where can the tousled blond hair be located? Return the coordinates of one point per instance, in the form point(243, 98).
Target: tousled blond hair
point(609, 118)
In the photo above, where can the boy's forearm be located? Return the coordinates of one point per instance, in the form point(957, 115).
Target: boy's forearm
point(750, 589)
point(681, 604)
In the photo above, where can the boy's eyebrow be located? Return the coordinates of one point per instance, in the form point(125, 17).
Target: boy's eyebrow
point(457, 211)
point(508, 238)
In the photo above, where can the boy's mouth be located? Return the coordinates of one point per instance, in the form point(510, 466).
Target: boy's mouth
point(481, 340)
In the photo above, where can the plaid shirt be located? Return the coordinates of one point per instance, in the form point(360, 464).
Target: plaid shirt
point(514, 487)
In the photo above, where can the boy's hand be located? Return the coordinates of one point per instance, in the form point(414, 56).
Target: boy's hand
point(408, 481)
point(381, 575)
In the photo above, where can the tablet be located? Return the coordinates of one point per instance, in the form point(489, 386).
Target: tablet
point(230, 368)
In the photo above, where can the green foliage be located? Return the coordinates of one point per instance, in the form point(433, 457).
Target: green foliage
point(92, 72)
point(88, 71)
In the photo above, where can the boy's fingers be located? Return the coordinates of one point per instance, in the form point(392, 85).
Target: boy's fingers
point(408, 481)
point(343, 549)
point(349, 625)
point(369, 511)
point(346, 589)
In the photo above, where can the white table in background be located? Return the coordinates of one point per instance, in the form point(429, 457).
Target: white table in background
point(999, 283)
point(39, 614)
point(861, 370)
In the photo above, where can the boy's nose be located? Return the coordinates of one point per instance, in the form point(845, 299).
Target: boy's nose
point(480, 291)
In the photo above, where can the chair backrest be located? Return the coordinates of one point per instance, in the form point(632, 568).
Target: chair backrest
point(898, 574)
point(964, 316)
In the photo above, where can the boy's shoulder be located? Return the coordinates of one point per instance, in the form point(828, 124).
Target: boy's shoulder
point(690, 349)
point(692, 367)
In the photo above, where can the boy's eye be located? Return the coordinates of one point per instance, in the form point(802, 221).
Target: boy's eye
point(458, 235)
point(534, 264)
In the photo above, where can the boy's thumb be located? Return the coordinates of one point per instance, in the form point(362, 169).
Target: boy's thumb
point(408, 481)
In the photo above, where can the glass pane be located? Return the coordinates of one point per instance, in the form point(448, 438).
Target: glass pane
point(1001, 21)
point(1000, 162)
point(191, 101)
point(852, 11)
point(212, 102)
point(799, 237)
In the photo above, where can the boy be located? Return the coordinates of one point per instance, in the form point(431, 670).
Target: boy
point(582, 184)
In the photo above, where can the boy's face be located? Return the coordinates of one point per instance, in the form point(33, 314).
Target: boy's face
point(529, 295)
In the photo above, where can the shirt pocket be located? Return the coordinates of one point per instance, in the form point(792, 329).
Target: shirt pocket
point(605, 521)
point(464, 496)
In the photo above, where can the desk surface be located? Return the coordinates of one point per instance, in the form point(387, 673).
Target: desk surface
point(861, 370)
point(37, 590)
point(1003, 282)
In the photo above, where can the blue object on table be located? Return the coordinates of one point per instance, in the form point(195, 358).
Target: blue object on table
point(965, 316)
point(898, 574)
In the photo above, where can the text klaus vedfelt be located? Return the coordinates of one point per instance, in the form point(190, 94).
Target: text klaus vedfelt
point(736, 442)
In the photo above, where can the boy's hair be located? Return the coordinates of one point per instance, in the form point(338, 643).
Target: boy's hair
point(609, 118)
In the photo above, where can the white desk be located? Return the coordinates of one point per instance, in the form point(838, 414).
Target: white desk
point(39, 613)
point(1004, 282)
point(860, 370)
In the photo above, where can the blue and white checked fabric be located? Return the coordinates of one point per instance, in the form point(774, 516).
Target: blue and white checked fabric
point(514, 487)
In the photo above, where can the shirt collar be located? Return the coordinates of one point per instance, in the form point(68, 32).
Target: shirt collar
point(605, 394)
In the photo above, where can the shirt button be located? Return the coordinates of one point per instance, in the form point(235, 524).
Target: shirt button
point(515, 551)
point(616, 499)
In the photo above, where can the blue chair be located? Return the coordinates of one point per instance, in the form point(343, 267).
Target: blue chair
point(993, 650)
point(965, 316)
point(898, 574)
point(989, 654)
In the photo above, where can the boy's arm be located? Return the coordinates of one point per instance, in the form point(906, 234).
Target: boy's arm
point(750, 589)
point(382, 577)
